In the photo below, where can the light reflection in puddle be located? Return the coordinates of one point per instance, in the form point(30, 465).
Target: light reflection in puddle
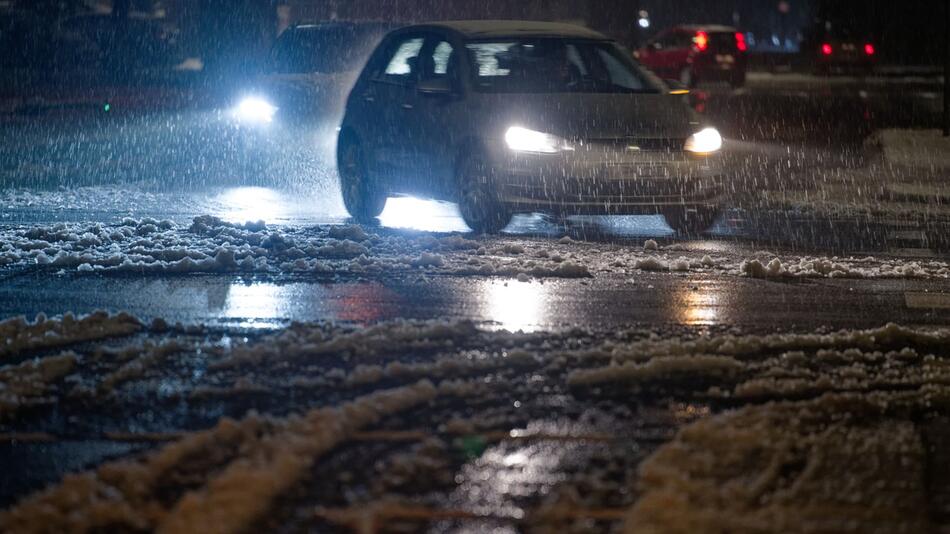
point(437, 216)
point(627, 225)
point(266, 305)
point(425, 215)
point(515, 305)
point(698, 307)
point(501, 481)
point(262, 305)
point(243, 204)
point(252, 204)
point(504, 474)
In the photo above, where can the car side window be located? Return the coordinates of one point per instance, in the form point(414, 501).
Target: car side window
point(683, 40)
point(441, 58)
point(402, 60)
point(281, 56)
point(672, 40)
point(439, 61)
point(659, 42)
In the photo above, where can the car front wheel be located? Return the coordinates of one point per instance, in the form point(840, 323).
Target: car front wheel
point(477, 201)
point(363, 199)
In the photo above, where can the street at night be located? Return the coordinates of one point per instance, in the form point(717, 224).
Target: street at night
point(206, 324)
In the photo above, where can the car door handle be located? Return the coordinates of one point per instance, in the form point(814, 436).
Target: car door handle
point(407, 106)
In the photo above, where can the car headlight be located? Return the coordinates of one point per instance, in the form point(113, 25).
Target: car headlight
point(705, 141)
point(524, 140)
point(254, 109)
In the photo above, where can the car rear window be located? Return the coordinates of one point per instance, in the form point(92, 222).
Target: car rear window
point(722, 41)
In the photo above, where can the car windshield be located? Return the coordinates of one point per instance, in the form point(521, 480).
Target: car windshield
point(333, 49)
point(549, 65)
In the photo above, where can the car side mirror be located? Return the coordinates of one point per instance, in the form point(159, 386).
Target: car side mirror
point(435, 86)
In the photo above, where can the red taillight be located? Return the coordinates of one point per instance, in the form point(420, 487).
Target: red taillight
point(701, 40)
point(826, 49)
point(869, 49)
point(740, 42)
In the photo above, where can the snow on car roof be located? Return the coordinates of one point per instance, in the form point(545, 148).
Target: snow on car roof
point(509, 28)
point(707, 27)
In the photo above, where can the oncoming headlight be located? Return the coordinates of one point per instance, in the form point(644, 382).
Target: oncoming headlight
point(705, 141)
point(255, 109)
point(524, 140)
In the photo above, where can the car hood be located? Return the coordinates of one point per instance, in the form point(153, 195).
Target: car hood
point(304, 95)
point(593, 116)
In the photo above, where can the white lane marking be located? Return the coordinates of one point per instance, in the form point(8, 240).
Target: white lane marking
point(928, 301)
point(908, 235)
point(912, 252)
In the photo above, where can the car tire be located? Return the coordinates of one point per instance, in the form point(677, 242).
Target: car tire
point(477, 201)
point(690, 221)
point(363, 198)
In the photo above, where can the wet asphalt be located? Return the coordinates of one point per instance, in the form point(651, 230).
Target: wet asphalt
point(784, 124)
point(657, 300)
point(779, 126)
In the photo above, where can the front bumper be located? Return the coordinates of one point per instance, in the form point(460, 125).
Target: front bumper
point(598, 180)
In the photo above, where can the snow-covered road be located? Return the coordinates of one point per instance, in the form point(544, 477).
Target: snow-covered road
point(256, 349)
point(181, 429)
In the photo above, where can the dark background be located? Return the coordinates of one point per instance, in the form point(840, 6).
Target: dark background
point(46, 44)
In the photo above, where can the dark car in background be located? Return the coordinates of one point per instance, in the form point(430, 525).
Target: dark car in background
point(693, 54)
point(90, 42)
point(100, 41)
point(838, 48)
point(25, 41)
point(288, 115)
point(505, 117)
point(308, 73)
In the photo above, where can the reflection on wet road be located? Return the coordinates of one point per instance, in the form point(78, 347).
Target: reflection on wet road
point(427, 216)
point(514, 305)
point(244, 204)
point(649, 298)
point(699, 304)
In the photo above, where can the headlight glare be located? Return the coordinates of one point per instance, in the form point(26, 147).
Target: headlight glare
point(705, 141)
point(524, 140)
point(255, 109)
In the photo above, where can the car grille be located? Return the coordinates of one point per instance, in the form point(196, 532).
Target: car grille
point(644, 144)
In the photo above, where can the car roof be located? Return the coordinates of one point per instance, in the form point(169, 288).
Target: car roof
point(488, 29)
point(713, 28)
point(328, 25)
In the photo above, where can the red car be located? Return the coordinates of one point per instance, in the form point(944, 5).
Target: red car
point(694, 54)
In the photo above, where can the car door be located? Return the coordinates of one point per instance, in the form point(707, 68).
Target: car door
point(681, 54)
point(655, 55)
point(390, 97)
point(437, 115)
point(647, 54)
point(667, 56)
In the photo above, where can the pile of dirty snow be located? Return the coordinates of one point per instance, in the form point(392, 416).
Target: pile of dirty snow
point(211, 245)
